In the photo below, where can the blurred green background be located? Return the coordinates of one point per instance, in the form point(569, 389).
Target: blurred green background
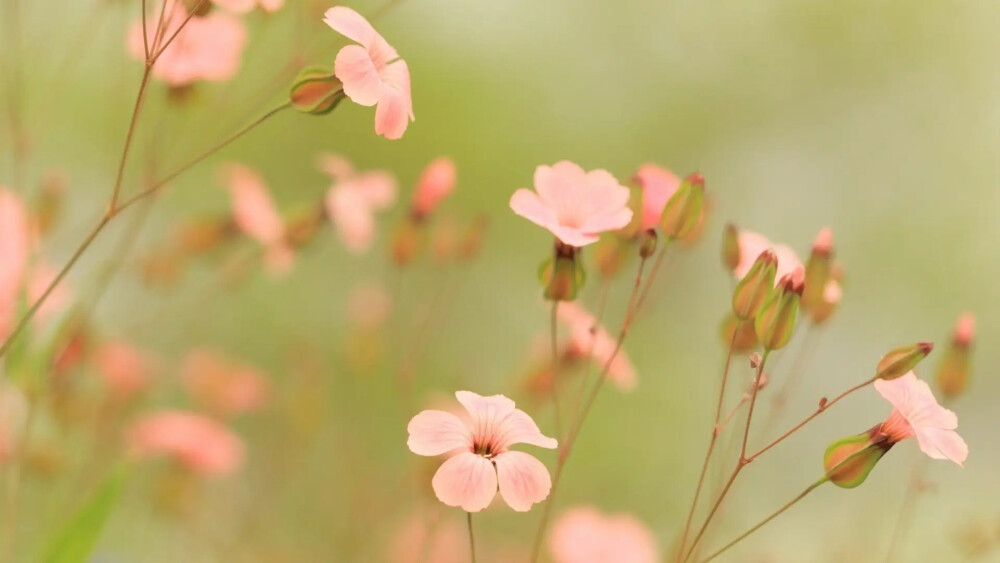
point(876, 118)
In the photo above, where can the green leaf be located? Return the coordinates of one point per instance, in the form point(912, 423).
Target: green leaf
point(76, 541)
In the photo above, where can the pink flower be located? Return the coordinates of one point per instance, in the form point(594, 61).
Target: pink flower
point(574, 205)
point(208, 48)
point(124, 368)
point(965, 329)
point(58, 300)
point(15, 248)
point(372, 73)
point(752, 244)
point(256, 216)
point(589, 338)
point(658, 185)
point(436, 182)
point(353, 200)
point(917, 413)
point(197, 442)
point(584, 535)
point(470, 478)
point(244, 6)
point(222, 387)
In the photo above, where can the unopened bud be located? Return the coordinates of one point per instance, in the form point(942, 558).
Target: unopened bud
point(201, 236)
point(745, 338)
point(818, 269)
point(775, 322)
point(562, 276)
point(953, 371)
point(730, 246)
point(901, 361)
point(822, 310)
point(683, 209)
point(754, 288)
point(316, 91)
point(472, 240)
point(697, 232)
point(647, 243)
point(848, 461)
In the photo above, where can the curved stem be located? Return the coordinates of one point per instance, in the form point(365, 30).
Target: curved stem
point(133, 122)
point(472, 538)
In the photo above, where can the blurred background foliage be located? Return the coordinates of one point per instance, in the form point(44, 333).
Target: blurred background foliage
point(876, 118)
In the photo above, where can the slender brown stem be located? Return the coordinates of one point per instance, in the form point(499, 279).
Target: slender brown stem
point(133, 122)
point(711, 446)
point(795, 372)
point(554, 373)
point(177, 31)
point(145, 34)
point(472, 538)
point(602, 301)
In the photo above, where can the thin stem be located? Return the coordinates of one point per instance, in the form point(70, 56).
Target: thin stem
point(553, 375)
point(602, 301)
point(177, 31)
point(799, 363)
point(133, 122)
point(711, 445)
point(753, 402)
point(145, 34)
point(472, 538)
point(763, 522)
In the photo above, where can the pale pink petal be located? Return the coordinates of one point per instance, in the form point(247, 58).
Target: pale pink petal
point(437, 432)
point(518, 428)
point(335, 166)
point(584, 535)
point(377, 187)
point(235, 6)
point(355, 27)
point(395, 106)
point(658, 186)
point(199, 443)
point(939, 443)
point(530, 205)
point(466, 480)
point(485, 412)
point(558, 183)
point(436, 182)
point(573, 237)
point(523, 480)
point(253, 210)
point(353, 218)
point(751, 245)
point(15, 244)
point(933, 425)
point(788, 261)
point(614, 221)
point(354, 67)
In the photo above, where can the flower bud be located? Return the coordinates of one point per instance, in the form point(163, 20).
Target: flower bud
point(472, 240)
point(745, 339)
point(647, 243)
point(775, 322)
point(407, 241)
point(683, 209)
point(695, 234)
point(562, 276)
point(50, 201)
point(202, 236)
point(848, 461)
point(953, 371)
point(818, 269)
point(316, 91)
point(901, 361)
point(730, 247)
point(754, 288)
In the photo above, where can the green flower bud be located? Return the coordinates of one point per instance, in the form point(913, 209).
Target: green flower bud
point(901, 361)
point(818, 270)
point(848, 461)
point(563, 276)
point(775, 322)
point(953, 371)
point(730, 247)
point(683, 209)
point(745, 338)
point(754, 288)
point(316, 91)
point(647, 243)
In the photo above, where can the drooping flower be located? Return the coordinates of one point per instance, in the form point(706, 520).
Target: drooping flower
point(245, 6)
point(256, 216)
point(658, 185)
point(585, 535)
point(484, 463)
point(751, 244)
point(587, 338)
point(372, 72)
point(124, 368)
point(199, 443)
point(208, 48)
point(223, 387)
point(353, 200)
point(435, 183)
point(916, 413)
point(573, 204)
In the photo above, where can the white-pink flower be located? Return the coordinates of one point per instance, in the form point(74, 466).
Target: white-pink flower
point(354, 199)
point(573, 204)
point(372, 72)
point(915, 412)
point(587, 338)
point(197, 442)
point(658, 185)
point(584, 535)
point(483, 462)
point(752, 244)
point(256, 216)
point(436, 182)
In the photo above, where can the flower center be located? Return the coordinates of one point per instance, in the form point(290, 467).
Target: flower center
point(896, 427)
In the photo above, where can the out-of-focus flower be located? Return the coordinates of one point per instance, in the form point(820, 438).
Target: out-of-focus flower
point(42, 275)
point(244, 6)
point(584, 535)
point(953, 371)
point(752, 244)
point(438, 539)
point(372, 73)
point(15, 247)
point(124, 368)
point(208, 48)
point(223, 387)
point(13, 417)
point(470, 479)
point(587, 338)
point(353, 200)
point(256, 216)
point(917, 413)
point(657, 184)
point(369, 305)
point(573, 204)
point(436, 182)
point(198, 443)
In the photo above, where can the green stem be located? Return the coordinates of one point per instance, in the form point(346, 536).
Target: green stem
point(472, 538)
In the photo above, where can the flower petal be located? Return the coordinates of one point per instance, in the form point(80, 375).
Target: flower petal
point(354, 67)
point(518, 428)
point(573, 237)
point(486, 413)
point(467, 481)
point(437, 432)
point(939, 443)
point(529, 205)
point(355, 27)
point(523, 480)
point(395, 107)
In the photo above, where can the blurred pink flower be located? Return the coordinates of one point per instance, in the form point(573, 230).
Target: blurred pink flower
point(199, 443)
point(208, 48)
point(372, 73)
point(244, 6)
point(223, 387)
point(917, 413)
point(429, 539)
point(353, 200)
point(436, 182)
point(752, 244)
point(965, 329)
point(584, 535)
point(124, 368)
point(256, 216)
point(471, 477)
point(588, 338)
point(42, 275)
point(15, 248)
point(658, 185)
point(573, 204)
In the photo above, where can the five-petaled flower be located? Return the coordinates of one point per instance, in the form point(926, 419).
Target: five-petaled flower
point(256, 216)
point(573, 204)
point(917, 413)
point(372, 72)
point(481, 460)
